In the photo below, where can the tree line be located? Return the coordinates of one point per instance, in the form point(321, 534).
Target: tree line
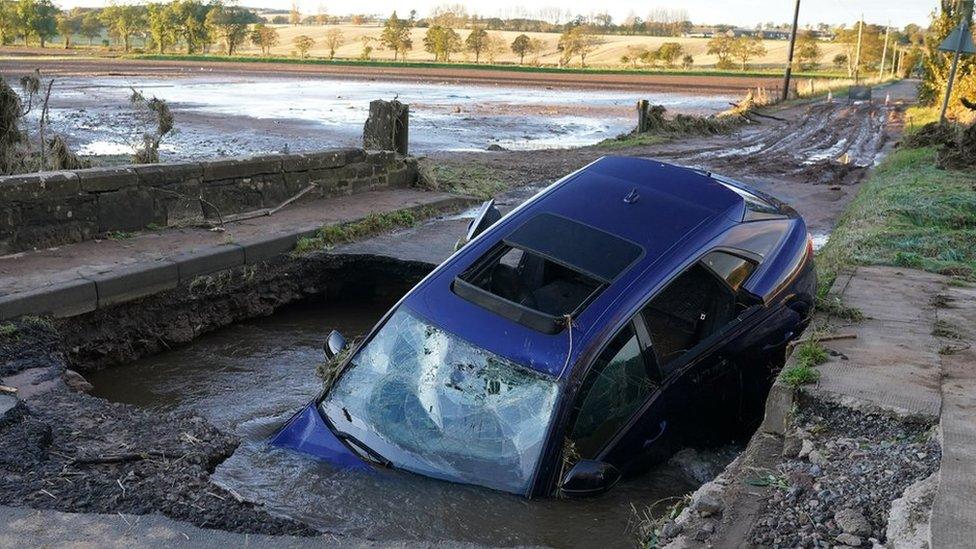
point(187, 25)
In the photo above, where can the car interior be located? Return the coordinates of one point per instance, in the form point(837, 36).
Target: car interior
point(533, 281)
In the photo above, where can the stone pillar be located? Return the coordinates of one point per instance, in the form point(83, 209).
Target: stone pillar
point(387, 128)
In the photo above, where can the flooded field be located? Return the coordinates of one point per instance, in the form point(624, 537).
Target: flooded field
point(250, 377)
point(229, 116)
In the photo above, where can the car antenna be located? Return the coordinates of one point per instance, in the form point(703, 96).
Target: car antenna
point(568, 319)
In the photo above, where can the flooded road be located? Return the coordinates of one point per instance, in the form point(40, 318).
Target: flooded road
point(232, 116)
point(248, 379)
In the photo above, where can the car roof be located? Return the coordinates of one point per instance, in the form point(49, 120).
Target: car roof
point(668, 211)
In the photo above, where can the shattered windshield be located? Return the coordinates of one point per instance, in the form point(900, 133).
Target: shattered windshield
point(434, 404)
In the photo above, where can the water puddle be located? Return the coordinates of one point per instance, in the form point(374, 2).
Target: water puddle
point(248, 378)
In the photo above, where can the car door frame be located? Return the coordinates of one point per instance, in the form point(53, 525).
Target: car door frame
point(547, 476)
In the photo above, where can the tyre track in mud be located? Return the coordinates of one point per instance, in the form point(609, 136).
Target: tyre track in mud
point(828, 144)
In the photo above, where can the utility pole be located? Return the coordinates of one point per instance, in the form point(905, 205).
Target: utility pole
point(857, 52)
point(965, 14)
point(884, 52)
point(789, 56)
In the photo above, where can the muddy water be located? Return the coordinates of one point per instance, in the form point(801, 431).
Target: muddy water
point(225, 115)
point(250, 377)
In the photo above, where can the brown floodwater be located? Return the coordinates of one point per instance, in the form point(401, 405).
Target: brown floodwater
point(250, 377)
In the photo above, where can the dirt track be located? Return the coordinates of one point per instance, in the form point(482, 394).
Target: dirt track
point(25, 61)
point(809, 156)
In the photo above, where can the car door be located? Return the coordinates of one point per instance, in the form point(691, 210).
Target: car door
point(690, 323)
point(618, 415)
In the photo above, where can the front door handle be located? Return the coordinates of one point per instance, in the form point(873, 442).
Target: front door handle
point(661, 428)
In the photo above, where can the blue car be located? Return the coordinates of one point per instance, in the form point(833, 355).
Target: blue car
point(630, 308)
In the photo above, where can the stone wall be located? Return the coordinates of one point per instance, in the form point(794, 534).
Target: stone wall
point(52, 208)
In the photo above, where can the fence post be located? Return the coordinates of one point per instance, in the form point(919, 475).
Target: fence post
point(642, 105)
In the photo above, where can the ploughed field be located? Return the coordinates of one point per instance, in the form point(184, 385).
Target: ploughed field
point(248, 378)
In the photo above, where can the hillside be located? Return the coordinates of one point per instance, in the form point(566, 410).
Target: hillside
point(607, 54)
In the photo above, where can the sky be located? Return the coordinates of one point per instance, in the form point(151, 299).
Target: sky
point(736, 12)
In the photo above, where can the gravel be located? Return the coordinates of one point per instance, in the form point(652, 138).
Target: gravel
point(838, 488)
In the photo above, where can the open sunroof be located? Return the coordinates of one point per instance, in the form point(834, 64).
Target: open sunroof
point(547, 268)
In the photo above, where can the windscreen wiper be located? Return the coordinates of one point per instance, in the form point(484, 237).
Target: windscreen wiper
point(363, 450)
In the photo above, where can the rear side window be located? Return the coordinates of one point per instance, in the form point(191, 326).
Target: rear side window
point(731, 268)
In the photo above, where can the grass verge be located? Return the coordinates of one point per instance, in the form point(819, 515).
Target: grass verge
point(807, 356)
point(372, 224)
point(909, 213)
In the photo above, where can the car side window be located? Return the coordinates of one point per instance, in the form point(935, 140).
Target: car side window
point(695, 305)
point(614, 388)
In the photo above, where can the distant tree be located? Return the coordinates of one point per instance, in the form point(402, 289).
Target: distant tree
point(578, 40)
point(280, 20)
point(494, 45)
point(808, 53)
point(91, 26)
point(294, 16)
point(687, 62)
point(721, 46)
point(442, 42)
point(745, 48)
point(333, 39)
point(476, 42)
point(669, 52)
point(536, 47)
point(193, 29)
point(871, 45)
point(264, 37)
point(38, 19)
point(302, 44)
point(321, 18)
point(230, 25)
point(396, 36)
point(840, 60)
point(9, 26)
point(164, 24)
point(68, 24)
point(521, 47)
point(124, 21)
point(367, 50)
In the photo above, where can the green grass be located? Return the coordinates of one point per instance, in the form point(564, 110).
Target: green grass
point(835, 308)
point(371, 225)
point(8, 329)
point(475, 66)
point(910, 214)
point(119, 235)
point(807, 356)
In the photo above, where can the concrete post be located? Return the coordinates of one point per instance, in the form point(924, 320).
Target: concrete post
point(387, 128)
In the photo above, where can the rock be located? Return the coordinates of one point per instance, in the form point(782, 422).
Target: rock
point(680, 542)
point(495, 147)
point(908, 520)
point(817, 458)
point(791, 446)
point(76, 382)
point(707, 500)
point(670, 529)
point(805, 448)
point(849, 539)
point(852, 521)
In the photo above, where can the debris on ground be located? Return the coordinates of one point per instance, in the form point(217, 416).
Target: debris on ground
point(956, 143)
point(839, 487)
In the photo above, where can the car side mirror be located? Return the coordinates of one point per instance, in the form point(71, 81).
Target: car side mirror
point(589, 478)
point(334, 345)
point(486, 216)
